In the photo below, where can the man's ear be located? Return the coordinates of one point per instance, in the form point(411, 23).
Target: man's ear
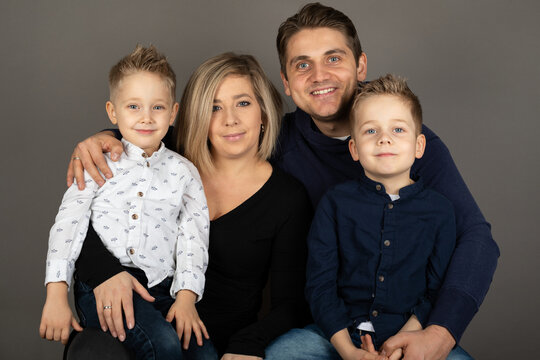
point(109, 107)
point(361, 69)
point(285, 83)
point(420, 146)
point(174, 112)
point(352, 150)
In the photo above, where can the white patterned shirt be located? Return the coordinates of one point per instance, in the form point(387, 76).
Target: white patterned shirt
point(151, 215)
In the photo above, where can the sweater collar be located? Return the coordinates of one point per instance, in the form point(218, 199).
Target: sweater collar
point(404, 193)
point(312, 133)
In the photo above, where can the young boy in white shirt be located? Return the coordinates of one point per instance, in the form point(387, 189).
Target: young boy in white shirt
point(152, 216)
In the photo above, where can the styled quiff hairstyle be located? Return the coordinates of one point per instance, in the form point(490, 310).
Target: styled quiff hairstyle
point(197, 101)
point(143, 59)
point(389, 85)
point(316, 15)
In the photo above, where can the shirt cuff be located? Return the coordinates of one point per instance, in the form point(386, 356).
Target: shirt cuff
point(453, 310)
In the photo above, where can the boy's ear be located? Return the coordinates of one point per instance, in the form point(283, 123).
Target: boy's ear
point(361, 69)
point(174, 112)
point(109, 107)
point(352, 150)
point(285, 84)
point(420, 146)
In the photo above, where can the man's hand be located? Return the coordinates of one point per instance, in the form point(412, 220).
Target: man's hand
point(88, 154)
point(116, 294)
point(187, 318)
point(229, 356)
point(432, 343)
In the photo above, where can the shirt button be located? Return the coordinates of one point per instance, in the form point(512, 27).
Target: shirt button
point(144, 155)
point(147, 164)
point(386, 242)
point(390, 206)
point(134, 216)
point(375, 313)
point(381, 278)
point(140, 194)
point(372, 295)
point(378, 187)
point(132, 251)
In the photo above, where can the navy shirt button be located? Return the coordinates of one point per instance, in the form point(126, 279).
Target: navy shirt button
point(390, 206)
point(375, 313)
point(386, 242)
point(381, 278)
point(378, 187)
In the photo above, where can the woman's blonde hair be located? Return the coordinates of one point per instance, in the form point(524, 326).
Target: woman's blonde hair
point(193, 123)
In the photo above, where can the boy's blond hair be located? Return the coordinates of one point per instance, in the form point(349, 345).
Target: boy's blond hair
point(195, 113)
point(143, 59)
point(389, 85)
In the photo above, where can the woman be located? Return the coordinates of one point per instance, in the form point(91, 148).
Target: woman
point(228, 124)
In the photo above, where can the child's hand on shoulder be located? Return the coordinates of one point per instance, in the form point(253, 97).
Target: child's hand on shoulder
point(57, 317)
point(187, 318)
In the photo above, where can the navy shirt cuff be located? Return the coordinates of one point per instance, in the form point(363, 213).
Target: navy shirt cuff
point(453, 310)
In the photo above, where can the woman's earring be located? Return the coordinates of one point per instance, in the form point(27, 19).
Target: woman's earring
point(261, 134)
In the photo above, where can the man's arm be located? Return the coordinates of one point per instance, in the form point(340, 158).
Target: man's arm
point(475, 257)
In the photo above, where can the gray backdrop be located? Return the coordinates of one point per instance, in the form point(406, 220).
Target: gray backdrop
point(473, 65)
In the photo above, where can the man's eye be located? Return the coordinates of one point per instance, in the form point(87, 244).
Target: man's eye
point(244, 103)
point(216, 108)
point(302, 66)
point(333, 59)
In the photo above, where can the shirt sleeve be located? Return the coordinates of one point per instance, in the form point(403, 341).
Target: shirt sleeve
point(192, 241)
point(328, 309)
point(68, 232)
point(440, 257)
point(288, 308)
point(475, 256)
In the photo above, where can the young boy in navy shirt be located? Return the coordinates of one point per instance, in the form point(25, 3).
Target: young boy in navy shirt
point(379, 246)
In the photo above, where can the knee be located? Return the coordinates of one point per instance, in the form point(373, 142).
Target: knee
point(154, 343)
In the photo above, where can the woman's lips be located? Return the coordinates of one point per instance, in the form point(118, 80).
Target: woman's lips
point(234, 137)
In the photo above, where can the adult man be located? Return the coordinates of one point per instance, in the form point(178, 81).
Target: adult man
point(321, 65)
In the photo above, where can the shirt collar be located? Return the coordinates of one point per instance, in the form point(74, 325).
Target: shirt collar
point(404, 192)
point(134, 152)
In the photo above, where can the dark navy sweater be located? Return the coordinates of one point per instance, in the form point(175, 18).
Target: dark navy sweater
point(321, 162)
point(374, 259)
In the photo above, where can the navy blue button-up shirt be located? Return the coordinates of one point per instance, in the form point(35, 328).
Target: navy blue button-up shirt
point(371, 258)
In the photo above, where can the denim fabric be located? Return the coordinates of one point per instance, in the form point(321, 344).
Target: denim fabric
point(310, 343)
point(152, 337)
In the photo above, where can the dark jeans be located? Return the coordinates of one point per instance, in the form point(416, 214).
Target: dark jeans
point(152, 337)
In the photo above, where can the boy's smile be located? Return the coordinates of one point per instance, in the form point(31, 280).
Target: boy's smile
point(143, 108)
point(385, 140)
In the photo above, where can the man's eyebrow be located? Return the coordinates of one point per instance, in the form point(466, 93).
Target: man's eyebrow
point(326, 53)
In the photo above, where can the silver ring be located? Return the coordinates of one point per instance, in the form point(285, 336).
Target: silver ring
point(75, 158)
point(107, 307)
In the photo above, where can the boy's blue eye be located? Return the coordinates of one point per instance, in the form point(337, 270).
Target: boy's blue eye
point(370, 131)
point(244, 103)
point(399, 130)
point(159, 107)
point(216, 108)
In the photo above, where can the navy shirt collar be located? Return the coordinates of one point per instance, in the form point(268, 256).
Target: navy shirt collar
point(378, 188)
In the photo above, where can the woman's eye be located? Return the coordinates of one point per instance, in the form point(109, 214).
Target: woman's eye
point(216, 108)
point(244, 103)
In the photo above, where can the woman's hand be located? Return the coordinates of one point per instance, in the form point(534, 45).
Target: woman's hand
point(239, 357)
point(88, 154)
point(114, 296)
point(187, 318)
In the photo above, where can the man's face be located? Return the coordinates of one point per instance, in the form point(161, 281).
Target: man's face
point(322, 74)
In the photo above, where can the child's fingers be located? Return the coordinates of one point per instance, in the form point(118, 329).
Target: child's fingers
point(198, 334)
point(49, 334)
point(203, 328)
point(187, 334)
point(57, 334)
point(179, 328)
point(75, 324)
point(369, 344)
point(42, 330)
point(64, 335)
point(396, 355)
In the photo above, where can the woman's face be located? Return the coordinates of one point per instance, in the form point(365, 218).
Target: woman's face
point(236, 119)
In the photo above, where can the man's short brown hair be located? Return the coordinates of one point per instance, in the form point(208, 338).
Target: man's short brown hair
point(389, 85)
point(143, 59)
point(316, 15)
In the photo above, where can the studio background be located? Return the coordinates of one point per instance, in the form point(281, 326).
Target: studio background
point(473, 65)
